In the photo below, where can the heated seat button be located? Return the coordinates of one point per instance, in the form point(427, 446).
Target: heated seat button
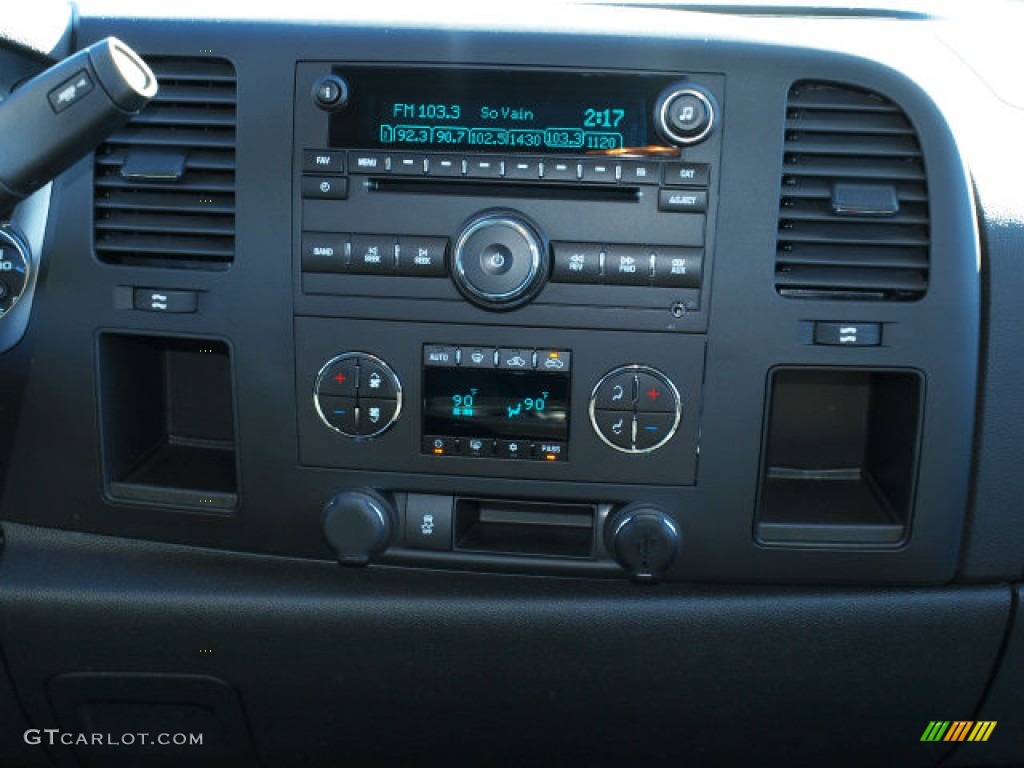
point(375, 380)
point(422, 256)
point(372, 255)
point(654, 395)
point(616, 392)
point(653, 430)
point(340, 413)
point(340, 379)
point(375, 415)
point(615, 427)
point(577, 263)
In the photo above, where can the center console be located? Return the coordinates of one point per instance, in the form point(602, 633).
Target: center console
point(502, 273)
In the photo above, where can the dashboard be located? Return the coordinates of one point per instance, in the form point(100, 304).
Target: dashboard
point(626, 385)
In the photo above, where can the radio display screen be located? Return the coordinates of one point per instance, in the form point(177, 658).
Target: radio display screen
point(497, 110)
point(487, 403)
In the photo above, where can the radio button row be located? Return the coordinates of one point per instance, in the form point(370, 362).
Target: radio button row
point(654, 265)
point(408, 255)
point(487, 448)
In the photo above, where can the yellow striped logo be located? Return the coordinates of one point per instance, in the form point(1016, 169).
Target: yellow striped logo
point(959, 730)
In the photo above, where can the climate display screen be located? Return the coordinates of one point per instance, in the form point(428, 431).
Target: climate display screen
point(496, 111)
point(517, 405)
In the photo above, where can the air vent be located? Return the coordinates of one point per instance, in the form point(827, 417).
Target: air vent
point(853, 216)
point(165, 183)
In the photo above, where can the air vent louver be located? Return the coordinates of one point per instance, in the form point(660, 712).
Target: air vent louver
point(165, 183)
point(853, 217)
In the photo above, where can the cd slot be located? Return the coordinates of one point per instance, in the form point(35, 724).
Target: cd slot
point(506, 188)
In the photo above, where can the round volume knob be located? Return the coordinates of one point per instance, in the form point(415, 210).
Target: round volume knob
point(685, 114)
point(359, 524)
point(500, 260)
point(644, 540)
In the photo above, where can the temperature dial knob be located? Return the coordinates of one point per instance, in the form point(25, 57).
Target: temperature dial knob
point(644, 540)
point(14, 268)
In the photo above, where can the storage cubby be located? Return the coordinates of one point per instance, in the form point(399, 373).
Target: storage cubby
point(840, 456)
point(167, 416)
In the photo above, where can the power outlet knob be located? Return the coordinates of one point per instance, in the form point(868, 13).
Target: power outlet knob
point(644, 539)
